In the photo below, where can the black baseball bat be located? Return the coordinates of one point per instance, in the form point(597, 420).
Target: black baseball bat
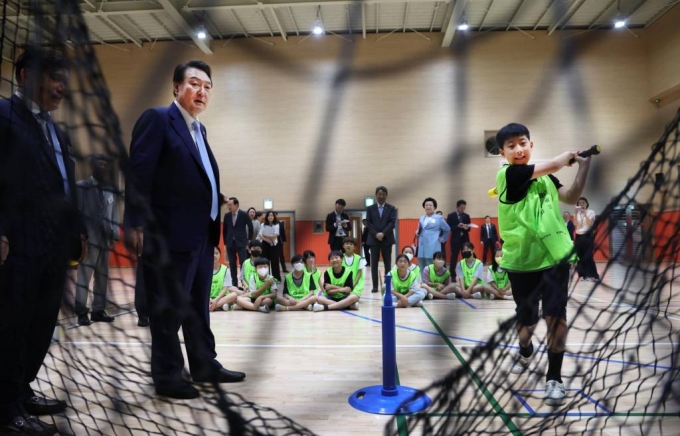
point(592, 151)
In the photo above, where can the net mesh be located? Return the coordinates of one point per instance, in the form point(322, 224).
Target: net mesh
point(629, 357)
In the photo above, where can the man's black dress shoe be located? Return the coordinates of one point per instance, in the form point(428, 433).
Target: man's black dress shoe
point(222, 376)
point(179, 389)
point(27, 425)
point(83, 320)
point(143, 322)
point(43, 406)
point(374, 291)
point(101, 316)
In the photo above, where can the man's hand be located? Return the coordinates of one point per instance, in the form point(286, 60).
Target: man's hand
point(134, 241)
point(379, 236)
point(83, 248)
point(4, 249)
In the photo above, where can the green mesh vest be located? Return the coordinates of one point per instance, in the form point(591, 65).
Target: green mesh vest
point(248, 270)
point(500, 278)
point(218, 282)
point(435, 278)
point(403, 286)
point(337, 281)
point(533, 228)
point(258, 284)
point(469, 271)
point(359, 287)
point(295, 291)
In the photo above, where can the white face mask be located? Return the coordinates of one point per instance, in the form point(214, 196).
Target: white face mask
point(263, 271)
point(409, 256)
point(299, 266)
point(438, 263)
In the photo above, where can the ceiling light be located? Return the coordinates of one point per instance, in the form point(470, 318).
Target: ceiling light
point(463, 26)
point(201, 34)
point(619, 23)
point(317, 29)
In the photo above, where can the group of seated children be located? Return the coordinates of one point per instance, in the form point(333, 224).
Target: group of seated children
point(343, 282)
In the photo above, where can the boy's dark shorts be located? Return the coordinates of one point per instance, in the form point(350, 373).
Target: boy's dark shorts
point(550, 286)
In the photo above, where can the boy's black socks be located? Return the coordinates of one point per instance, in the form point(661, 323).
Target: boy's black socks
point(528, 351)
point(554, 366)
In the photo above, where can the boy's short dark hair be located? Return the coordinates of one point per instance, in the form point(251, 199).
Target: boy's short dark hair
point(401, 256)
point(334, 253)
point(461, 202)
point(181, 69)
point(296, 259)
point(254, 243)
point(308, 254)
point(39, 59)
point(260, 261)
point(350, 239)
point(434, 202)
point(438, 255)
point(468, 245)
point(341, 202)
point(381, 188)
point(510, 131)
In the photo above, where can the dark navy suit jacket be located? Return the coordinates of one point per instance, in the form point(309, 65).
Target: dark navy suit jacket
point(35, 214)
point(166, 172)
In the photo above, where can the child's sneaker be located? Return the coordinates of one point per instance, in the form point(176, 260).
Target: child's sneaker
point(522, 363)
point(418, 304)
point(555, 393)
point(508, 297)
point(477, 295)
point(318, 307)
point(429, 296)
point(280, 308)
point(263, 309)
point(451, 296)
point(492, 297)
point(310, 307)
point(354, 306)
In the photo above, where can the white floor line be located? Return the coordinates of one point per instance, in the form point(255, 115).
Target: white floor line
point(630, 306)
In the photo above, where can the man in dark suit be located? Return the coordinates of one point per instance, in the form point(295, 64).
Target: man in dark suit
point(282, 240)
point(40, 230)
point(489, 238)
point(97, 204)
point(459, 222)
point(337, 225)
point(381, 219)
point(172, 212)
point(237, 230)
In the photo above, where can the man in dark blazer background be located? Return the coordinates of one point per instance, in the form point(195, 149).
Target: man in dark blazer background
point(237, 230)
point(172, 212)
point(459, 222)
point(337, 225)
point(40, 231)
point(381, 219)
point(489, 238)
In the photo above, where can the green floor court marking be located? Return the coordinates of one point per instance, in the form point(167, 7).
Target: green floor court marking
point(402, 426)
point(482, 387)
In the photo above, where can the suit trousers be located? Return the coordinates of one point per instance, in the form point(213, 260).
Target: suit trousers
point(271, 253)
point(31, 290)
point(233, 266)
point(376, 251)
point(178, 294)
point(585, 250)
point(97, 262)
point(141, 305)
point(336, 243)
point(490, 246)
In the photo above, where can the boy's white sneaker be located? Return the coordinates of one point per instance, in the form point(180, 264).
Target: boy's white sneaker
point(318, 307)
point(522, 363)
point(555, 393)
point(354, 306)
point(429, 296)
point(477, 295)
point(451, 296)
point(263, 309)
